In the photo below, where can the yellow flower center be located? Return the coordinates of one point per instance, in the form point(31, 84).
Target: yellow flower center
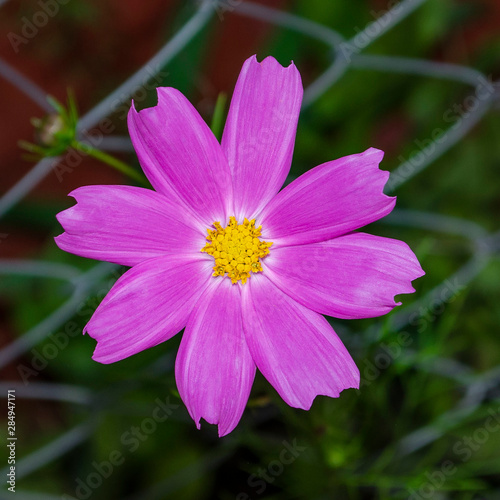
point(236, 249)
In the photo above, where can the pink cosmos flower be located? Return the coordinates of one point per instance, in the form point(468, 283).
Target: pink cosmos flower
point(250, 293)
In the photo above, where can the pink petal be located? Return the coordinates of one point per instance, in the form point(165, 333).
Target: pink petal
point(127, 225)
point(149, 304)
point(295, 348)
point(214, 369)
point(353, 276)
point(260, 132)
point(329, 200)
point(180, 155)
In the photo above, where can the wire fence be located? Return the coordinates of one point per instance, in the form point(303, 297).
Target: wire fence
point(346, 54)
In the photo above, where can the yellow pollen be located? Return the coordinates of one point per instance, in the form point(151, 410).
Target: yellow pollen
point(236, 249)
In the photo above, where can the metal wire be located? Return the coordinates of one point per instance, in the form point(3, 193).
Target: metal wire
point(84, 284)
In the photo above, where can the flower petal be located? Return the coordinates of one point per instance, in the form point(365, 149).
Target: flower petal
point(127, 225)
point(149, 304)
point(295, 348)
point(353, 276)
point(259, 135)
point(214, 369)
point(180, 155)
point(329, 200)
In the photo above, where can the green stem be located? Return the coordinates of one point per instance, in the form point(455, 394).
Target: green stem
point(218, 116)
point(111, 161)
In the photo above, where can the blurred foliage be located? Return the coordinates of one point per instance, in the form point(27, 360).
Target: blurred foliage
point(346, 448)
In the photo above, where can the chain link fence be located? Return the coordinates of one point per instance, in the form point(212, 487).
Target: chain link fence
point(346, 54)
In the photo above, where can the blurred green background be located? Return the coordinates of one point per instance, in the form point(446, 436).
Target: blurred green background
point(426, 421)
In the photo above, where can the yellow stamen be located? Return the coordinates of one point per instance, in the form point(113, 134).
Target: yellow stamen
point(236, 249)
